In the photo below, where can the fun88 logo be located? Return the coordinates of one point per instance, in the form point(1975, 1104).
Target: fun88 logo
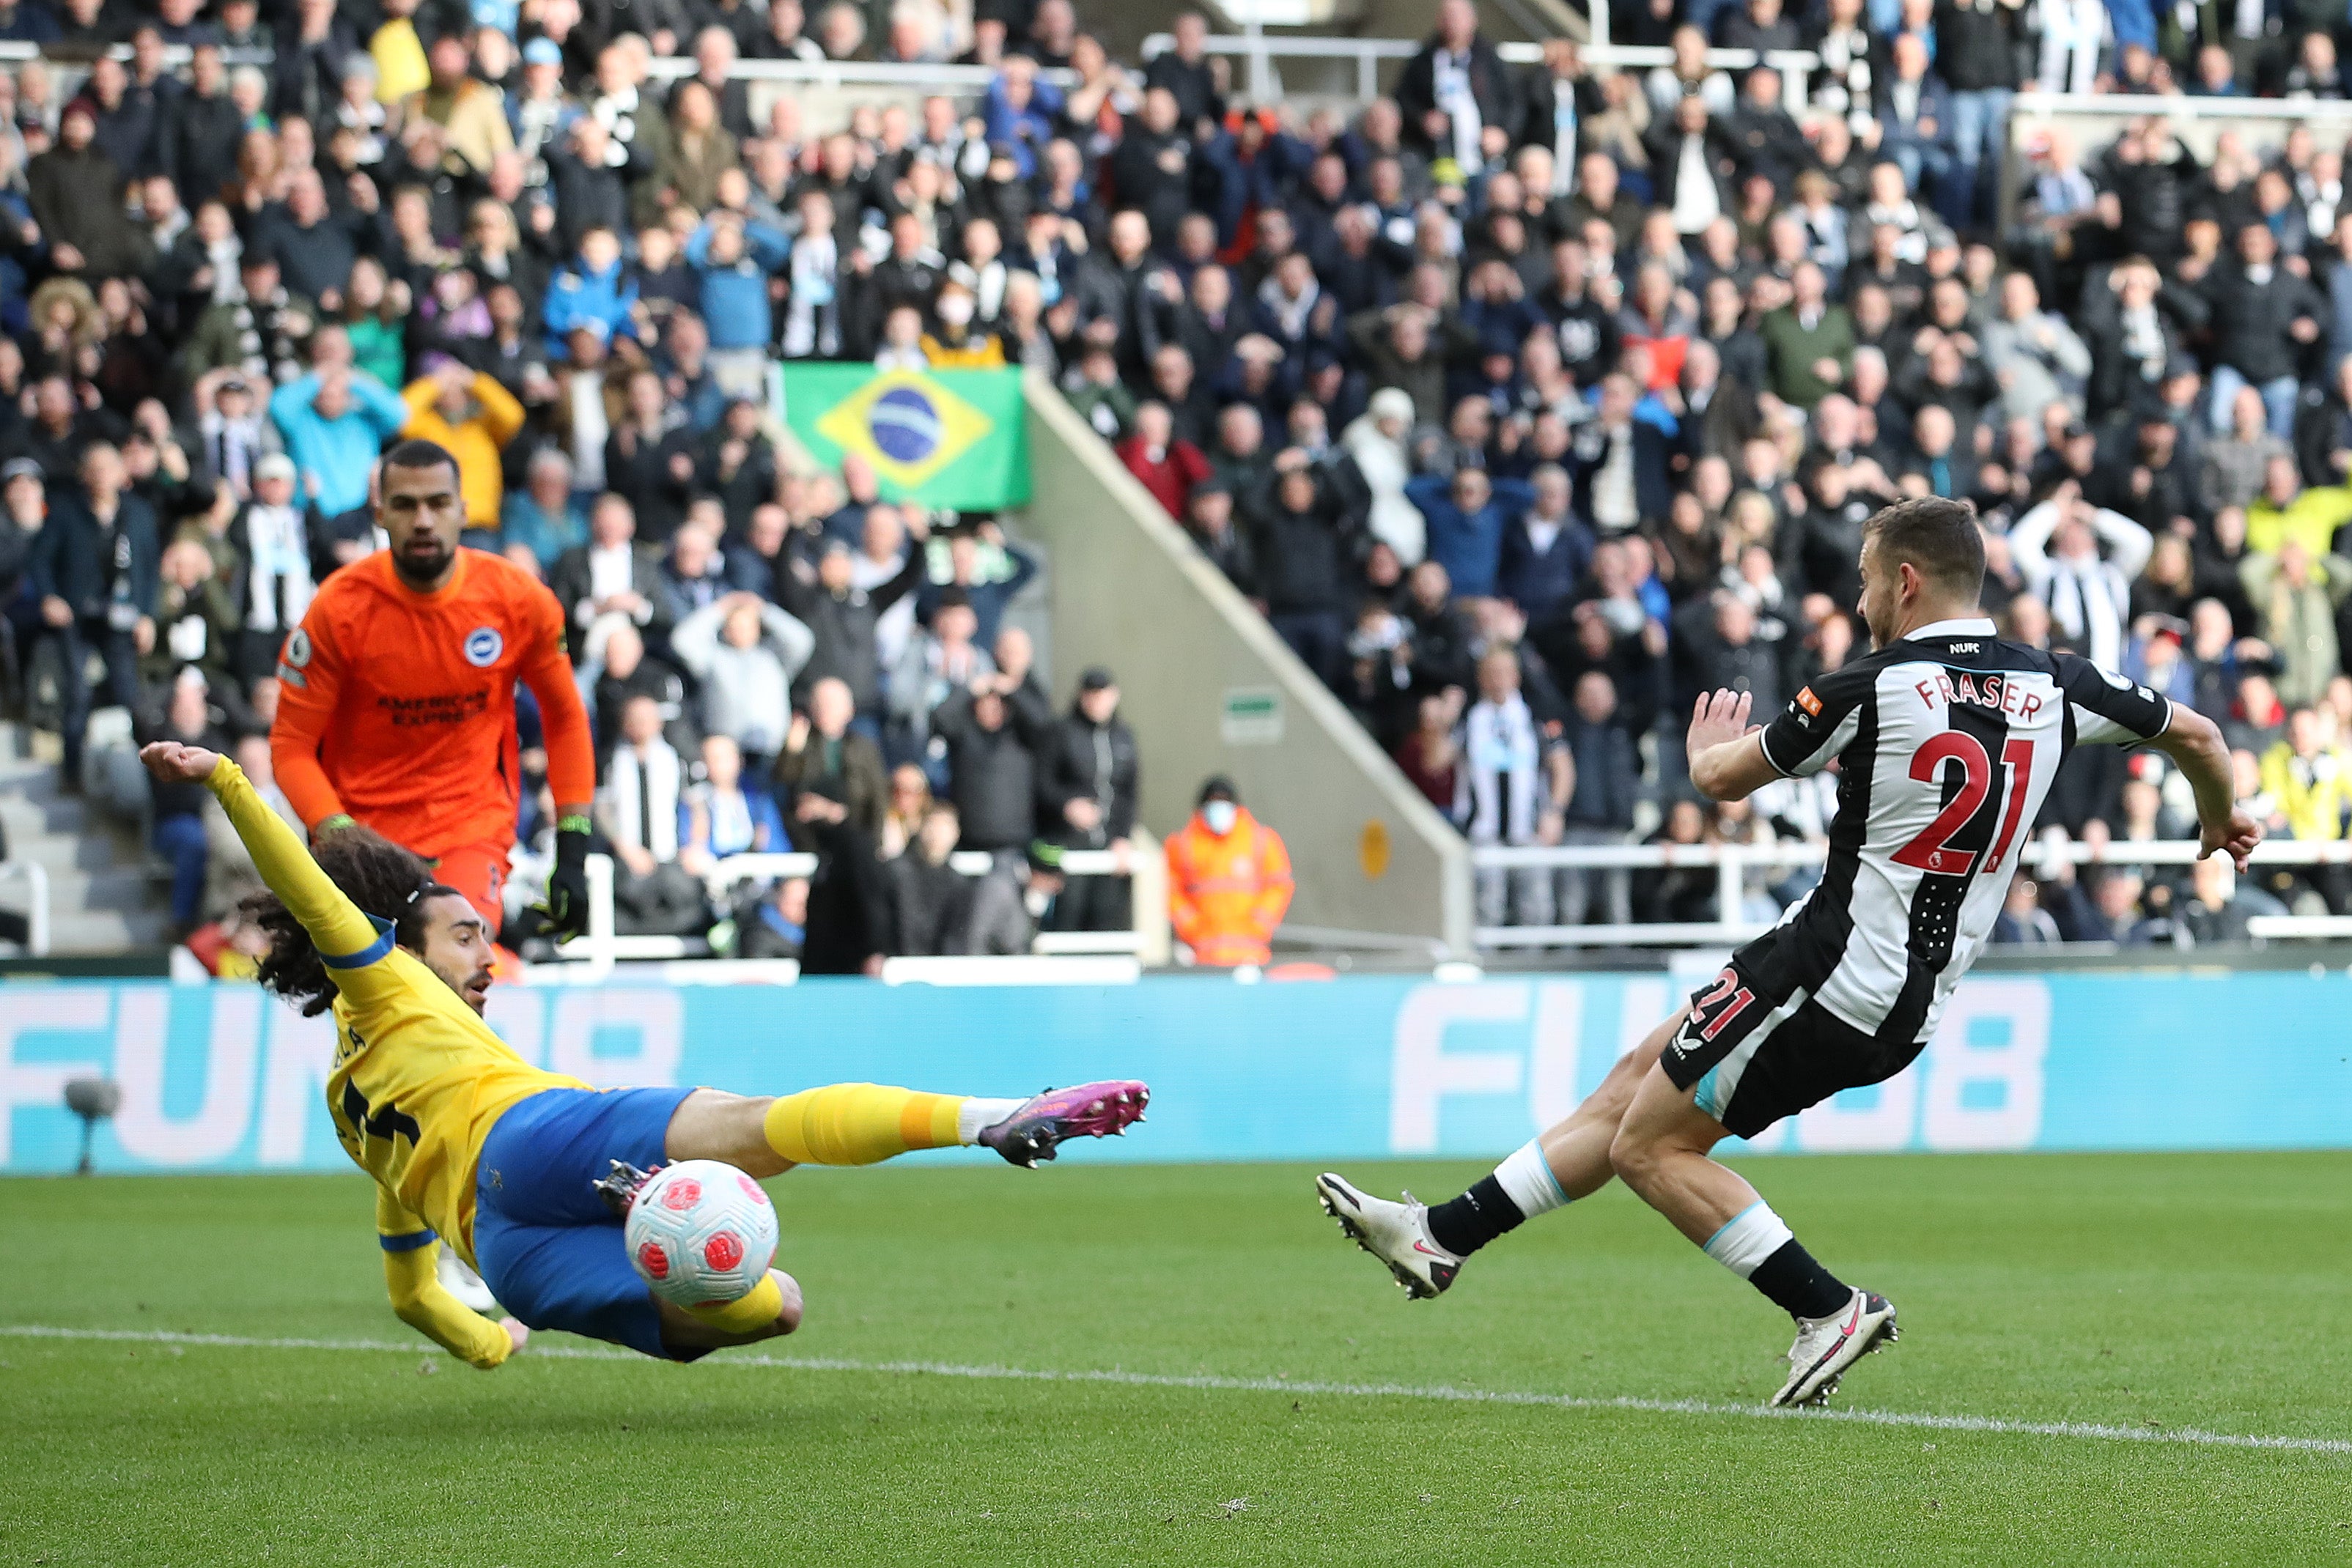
point(483, 646)
point(907, 427)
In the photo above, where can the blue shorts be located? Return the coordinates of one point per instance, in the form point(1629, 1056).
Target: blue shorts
point(549, 1248)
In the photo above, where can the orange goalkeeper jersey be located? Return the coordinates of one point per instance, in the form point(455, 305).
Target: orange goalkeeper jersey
point(397, 708)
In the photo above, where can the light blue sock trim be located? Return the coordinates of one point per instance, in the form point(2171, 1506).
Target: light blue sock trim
point(1708, 1247)
point(1559, 1191)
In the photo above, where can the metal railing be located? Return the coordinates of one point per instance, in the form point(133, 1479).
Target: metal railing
point(604, 945)
point(969, 80)
point(36, 912)
point(1731, 862)
point(1368, 54)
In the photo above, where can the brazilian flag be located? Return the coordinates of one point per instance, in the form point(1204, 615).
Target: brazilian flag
point(945, 438)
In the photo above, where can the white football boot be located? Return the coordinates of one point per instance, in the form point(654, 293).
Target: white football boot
point(1826, 1346)
point(1395, 1233)
point(462, 1282)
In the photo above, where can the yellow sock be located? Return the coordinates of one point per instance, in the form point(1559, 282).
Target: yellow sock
point(744, 1315)
point(860, 1123)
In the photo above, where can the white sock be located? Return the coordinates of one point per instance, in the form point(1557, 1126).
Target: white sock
point(1752, 1234)
point(976, 1112)
point(1525, 1178)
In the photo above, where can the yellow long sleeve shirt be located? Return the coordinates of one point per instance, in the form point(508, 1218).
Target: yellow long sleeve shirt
point(418, 1079)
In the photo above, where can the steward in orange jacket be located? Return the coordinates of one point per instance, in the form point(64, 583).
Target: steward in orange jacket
point(1228, 880)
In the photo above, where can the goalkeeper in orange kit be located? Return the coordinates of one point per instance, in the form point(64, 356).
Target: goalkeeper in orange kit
point(396, 707)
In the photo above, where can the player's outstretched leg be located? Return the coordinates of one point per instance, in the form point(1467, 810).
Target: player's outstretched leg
point(863, 1123)
point(1660, 1151)
point(1425, 1248)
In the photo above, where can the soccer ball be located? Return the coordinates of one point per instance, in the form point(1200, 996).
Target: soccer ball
point(700, 1233)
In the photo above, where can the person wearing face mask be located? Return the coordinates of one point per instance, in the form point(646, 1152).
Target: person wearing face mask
point(958, 345)
point(1229, 881)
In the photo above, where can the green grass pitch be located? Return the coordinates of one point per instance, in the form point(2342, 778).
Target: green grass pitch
point(2163, 1295)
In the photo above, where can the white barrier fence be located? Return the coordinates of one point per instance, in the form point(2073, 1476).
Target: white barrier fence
point(1731, 862)
point(1368, 54)
point(604, 945)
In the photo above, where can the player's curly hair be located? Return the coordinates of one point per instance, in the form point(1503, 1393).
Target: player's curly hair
point(387, 881)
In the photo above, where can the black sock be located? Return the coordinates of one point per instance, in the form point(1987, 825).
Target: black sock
point(1797, 1285)
point(1475, 1218)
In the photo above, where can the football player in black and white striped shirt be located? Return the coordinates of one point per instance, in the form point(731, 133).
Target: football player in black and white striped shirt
point(1946, 740)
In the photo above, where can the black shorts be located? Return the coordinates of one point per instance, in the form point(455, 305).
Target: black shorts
point(1756, 1049)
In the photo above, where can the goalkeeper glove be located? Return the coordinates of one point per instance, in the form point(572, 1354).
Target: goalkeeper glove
point(567, 885)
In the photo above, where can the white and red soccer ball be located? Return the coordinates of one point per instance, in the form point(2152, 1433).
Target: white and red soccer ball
point(702, 1232)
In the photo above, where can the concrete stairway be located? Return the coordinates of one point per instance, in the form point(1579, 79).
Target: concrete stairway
point(106, 890)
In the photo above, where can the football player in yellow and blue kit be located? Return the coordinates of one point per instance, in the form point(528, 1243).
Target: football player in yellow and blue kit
point(470, 1144)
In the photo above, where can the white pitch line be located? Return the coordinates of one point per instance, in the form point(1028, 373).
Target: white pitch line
point(2187, 1437)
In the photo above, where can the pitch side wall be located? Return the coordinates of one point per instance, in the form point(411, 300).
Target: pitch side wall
point(220, 1078)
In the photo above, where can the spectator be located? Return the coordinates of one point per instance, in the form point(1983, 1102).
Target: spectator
point(2296, 599)
point(1545, 550)
point(930, 901)
point(1167, 466)
point(1303, 549)
point(936, 664)
point(823, 754)
point(848, 912)
point(1509, 792)
point(615, 669)
point(544, 517)
point(844, 617)
point(2263, 317)
point(733, 259)
point(1430, 755)
point(2022, 920)
point(468, 414)
point(2033, 353)
point(1914, 118)
point(276, 560)
point(639, 814)
point(1454, 93)
point(611, 574)
point(777, 925)
point(1086, 784)
point(1810, 341)
point(93, 569)
point(993, 729)
point(196, 623)
point(2308, 779)
point(1604, 776)
point(743, 652)
point(2056, 545)
point(334, 422)
point(2214, 914)
point(694, 574)
point(1229, 881)
point(182, 715)
point(1466, 522)
point(2238, 457)
point(719, 817)
point(1976, 54)
point(1375, 443)
point(2284, 511)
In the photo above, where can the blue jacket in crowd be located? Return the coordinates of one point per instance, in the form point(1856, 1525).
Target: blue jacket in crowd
point(1468, 545)
point(336, 452)
point(578, 295)
point(735, 299)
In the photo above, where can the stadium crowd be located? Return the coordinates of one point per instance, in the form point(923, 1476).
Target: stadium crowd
point(1527, 402)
